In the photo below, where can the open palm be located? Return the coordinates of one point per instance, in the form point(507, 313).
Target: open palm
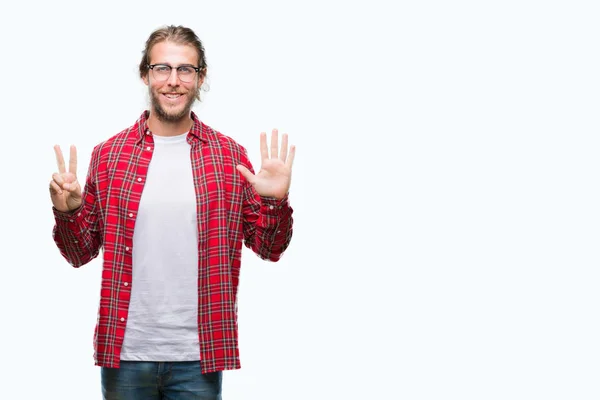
point(275, 174)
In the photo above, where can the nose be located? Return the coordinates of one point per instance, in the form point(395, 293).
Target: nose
point(173, 78)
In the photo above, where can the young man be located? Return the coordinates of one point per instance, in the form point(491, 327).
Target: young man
point(170, 201)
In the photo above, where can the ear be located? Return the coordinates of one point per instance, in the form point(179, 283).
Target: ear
point(145, 79)
point(201, 76)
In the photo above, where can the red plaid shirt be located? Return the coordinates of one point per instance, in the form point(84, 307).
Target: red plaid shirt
point(229, 212)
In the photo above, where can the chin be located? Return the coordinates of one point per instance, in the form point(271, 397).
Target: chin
point(166, 113)
point(174, 114)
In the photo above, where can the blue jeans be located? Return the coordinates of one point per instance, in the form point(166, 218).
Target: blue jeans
point(140, 380)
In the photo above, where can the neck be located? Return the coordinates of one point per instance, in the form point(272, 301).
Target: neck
point(169, 128)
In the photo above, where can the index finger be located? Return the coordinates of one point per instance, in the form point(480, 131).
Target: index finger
point(73, 160)
point(264, 152)
point(60, 161)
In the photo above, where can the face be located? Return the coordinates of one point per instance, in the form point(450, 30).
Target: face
point(172, 99)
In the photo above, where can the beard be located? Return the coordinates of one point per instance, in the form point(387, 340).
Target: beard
point(166, 115)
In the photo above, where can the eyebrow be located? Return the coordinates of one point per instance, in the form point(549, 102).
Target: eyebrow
point(181, 65)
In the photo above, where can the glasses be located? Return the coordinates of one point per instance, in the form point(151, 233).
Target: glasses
point(162, 72)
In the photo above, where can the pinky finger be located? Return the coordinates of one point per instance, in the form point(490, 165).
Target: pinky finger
point(290, 157)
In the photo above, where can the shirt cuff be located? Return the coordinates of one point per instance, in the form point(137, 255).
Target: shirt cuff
point(273, 206)
point(72, 217)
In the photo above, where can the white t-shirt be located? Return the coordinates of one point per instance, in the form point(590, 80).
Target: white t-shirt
point(162, 324)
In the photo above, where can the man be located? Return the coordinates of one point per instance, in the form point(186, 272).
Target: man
point(170, 201)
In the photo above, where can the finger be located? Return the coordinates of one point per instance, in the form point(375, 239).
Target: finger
point(58, 179)
point(73, 161)
point(284, 147)
point(274, 143)
point(249, 176)
point(71, 187)
point(75, 190)
point(264, 152)
point(290, 159)
point(54, 188)
point(59, 159)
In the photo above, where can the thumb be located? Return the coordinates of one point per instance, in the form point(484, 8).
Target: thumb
point(245, 173)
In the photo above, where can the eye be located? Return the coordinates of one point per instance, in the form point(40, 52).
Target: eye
point(162, 68)
point(185, 70)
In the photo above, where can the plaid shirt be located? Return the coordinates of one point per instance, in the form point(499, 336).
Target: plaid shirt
point(229, 212)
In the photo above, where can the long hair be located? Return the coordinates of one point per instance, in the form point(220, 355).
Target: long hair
point(176, 34)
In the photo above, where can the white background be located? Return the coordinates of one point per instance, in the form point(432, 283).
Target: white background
point(445, 191)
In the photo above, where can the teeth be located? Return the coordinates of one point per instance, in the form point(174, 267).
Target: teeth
point(172, 96)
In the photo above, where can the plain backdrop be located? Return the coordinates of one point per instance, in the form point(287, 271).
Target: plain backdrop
point(445, 191)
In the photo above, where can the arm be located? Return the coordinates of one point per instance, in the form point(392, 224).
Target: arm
point(267, 212)
point(267, 224)
point(76, 233)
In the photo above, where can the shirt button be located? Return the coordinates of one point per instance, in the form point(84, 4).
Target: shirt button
point(122, 319)
point(126, 248)
point(139, 179)
point(271, 207)
point(148, 148)
point(70, 220)
point(130, 215)
point(126, 284)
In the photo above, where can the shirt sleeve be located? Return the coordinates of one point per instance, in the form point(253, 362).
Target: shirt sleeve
point(268, 223)
point(77, 233)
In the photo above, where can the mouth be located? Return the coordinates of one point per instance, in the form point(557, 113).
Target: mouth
point(172, 96)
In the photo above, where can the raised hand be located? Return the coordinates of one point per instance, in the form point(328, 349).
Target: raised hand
point(65, 190)
point(275, 175)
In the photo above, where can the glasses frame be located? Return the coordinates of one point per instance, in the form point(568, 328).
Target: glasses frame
point(151, 67)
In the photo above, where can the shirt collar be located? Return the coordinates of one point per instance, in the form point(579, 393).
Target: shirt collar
point(197, 132)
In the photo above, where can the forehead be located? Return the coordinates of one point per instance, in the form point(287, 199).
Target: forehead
point(173, 53)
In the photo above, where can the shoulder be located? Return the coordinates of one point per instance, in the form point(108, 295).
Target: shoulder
point(115, 144)
point(225, 142)
point(126, 137)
